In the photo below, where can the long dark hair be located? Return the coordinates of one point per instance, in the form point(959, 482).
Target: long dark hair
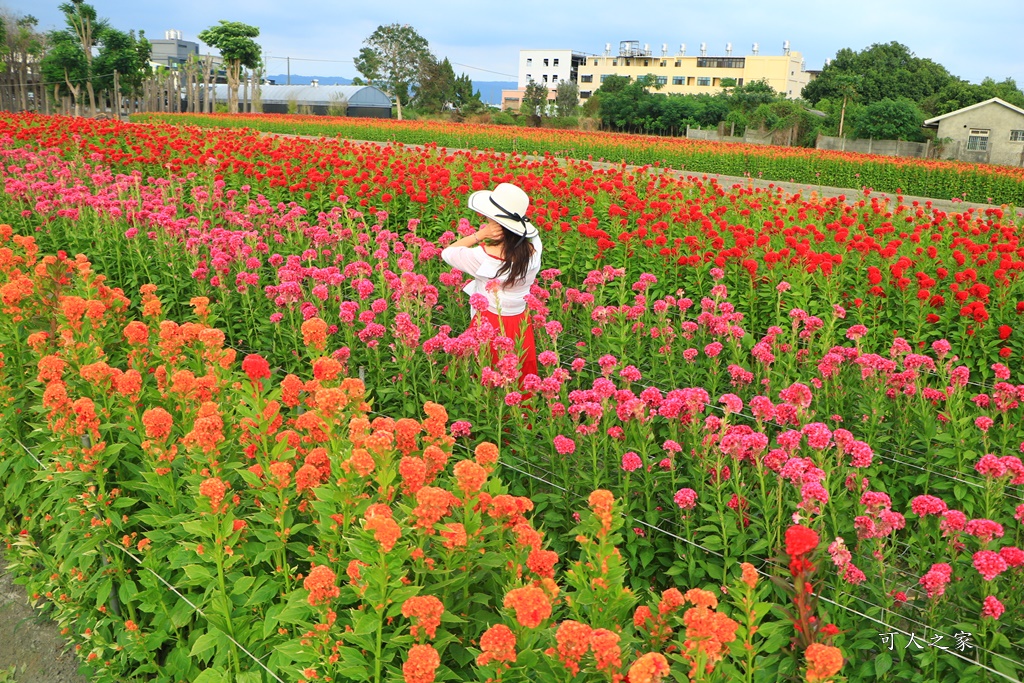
point(518, 252)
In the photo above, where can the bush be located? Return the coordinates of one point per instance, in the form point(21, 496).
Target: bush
point(562, 122)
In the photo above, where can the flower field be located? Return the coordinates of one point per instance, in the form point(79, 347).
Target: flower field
point(982, 183)
point(247, 435)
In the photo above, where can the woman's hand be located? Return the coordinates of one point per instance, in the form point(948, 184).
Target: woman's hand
point(490, 231)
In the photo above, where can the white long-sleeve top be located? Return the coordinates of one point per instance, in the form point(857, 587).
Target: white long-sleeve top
point(482, 267)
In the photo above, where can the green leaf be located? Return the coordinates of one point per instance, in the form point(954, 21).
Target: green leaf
point(883, 662)
point(204, 644)
point(198, 573)
point(211, 676)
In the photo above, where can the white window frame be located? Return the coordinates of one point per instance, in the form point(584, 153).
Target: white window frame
point(977, 140)
point(703, 81)
point(1017, 136)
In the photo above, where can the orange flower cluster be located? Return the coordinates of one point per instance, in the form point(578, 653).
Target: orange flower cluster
point(649, 668)
point(157, 423)
point(215, 489)
point(573, 639)
point(469, 476)
point(432, 504)
point(497, 644)
point(607, 654)
point(707, 631)
point(530, 604)
point(421, 664)
point(427, 611)
point(385, 531)
point(823, 662)
point(314, 334)
point(454, 535)
point(601, 502)
point(320, 584)
point(486, 455)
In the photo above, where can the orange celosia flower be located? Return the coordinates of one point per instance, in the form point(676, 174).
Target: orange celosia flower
point(530, 604)
point(823, 662)
point(469, 476)
point(607, 655)
point(573, 640)
point(427, 611)
point(320, 584)
point(362, 462)
point(326, 369)
point(215, 489)
point(308, 477)
point(406, 431)
point(454, 535)
point(200, 305)
point(601, 502)
point(498, 644)
point(385, 531)
point(671, 600)
point(413, 471)
point(701, 598)
point(542, 562)
point(129, 384)
point(649, 668)
point(749, 576)
point(378, 510)
point(207, 431)
point(432, 503)
point(319, 459)
point(157, 423)
point(281, 471)
point(50, 368)
point(86, 421)
point(527, 536)
point(436, 459)
point(421, 664)
point(314, 333)
point(290, 388)
point(486, 455)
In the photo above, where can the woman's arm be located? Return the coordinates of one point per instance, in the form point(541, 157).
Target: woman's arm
point(460, 254)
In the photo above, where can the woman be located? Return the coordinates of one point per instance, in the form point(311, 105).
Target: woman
point(503, 258)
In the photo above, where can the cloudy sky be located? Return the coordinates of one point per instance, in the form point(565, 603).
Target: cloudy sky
point(483, 38)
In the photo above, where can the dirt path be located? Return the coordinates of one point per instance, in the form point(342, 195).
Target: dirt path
point(30, 643)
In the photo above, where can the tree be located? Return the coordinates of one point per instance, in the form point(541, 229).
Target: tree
point(437, 86)
point(535, 100)
point(119, 53)
point(886, 71)
point(567, 98)
point(235, 42)
point(23, 47)
point(393, 60)
point(64, 65)
point(846, 84)
point(466, 99)
point(84, 25)
point(889, 120)
point(752, 95)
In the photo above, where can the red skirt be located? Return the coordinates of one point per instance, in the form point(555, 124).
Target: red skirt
point(518, 328)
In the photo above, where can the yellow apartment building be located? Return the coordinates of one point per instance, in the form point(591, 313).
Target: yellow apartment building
point(677, 73)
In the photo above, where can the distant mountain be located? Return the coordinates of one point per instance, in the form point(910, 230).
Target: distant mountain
point(490, 91)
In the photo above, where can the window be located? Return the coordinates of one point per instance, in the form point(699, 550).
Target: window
point(1017, 136)
point(663, 63)
point(554, 79)
point(678, 80)
point(545, 61)
point(660, 80)
point(679, 63)
point(615, 62)
point(584, 94)
point(722, 62)
point(529, 77)
point(554, 62)
point(587, 78)
point(529, 61)
point(604, 76)
point(545, 78)
point(703, 80)
point(647, 62)
point(977, 140)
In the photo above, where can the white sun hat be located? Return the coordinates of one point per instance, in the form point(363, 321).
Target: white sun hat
point(506, 204)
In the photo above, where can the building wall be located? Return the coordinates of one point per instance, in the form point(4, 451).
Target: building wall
point(173, 51)
point(690, 75)
point(545, 66)
point(1000, 121)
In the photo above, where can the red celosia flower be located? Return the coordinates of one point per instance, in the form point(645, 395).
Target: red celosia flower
point(308, 477)
point(800, 540)
point(320, 584)
point(530, 604)
point(421, 664)
point(214, 489)
point(823, 662)
point(992, 608)
point(256, 367)
point(649, 668)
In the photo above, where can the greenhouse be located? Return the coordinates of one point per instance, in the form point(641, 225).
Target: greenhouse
point(336, 100)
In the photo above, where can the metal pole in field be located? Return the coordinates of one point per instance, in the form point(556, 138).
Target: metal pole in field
point(289, 60)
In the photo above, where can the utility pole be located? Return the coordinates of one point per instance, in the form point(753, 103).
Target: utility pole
point(289, 60)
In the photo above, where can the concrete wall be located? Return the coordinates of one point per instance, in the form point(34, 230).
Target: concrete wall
point(531, 65)
point(999, 121)
point(718, 135)
point(890, 148)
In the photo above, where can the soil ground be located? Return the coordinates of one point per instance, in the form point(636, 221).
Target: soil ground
point(30, 644)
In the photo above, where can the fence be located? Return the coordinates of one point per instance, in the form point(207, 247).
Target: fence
point(751, 137)
point(889, 148)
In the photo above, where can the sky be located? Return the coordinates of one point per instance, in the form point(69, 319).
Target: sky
point(483, 39)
